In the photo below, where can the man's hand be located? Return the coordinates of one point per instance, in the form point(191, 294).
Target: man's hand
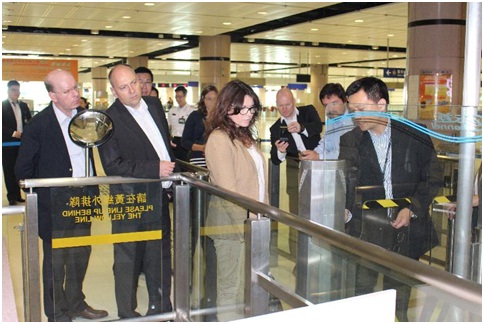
point(166, 168)
point(403, 218)
point(294, 127)
point(17, 134)
point(172, 144)
point(308, 155)
point(282, 146)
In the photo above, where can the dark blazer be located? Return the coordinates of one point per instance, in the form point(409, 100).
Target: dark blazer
point(194, 133)
point(9, 123)
point(309, 117)
point(416, 174)
point(43, 154)
point(129, 152)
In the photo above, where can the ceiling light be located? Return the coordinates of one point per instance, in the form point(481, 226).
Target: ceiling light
point(349, 41)
point(390, 35)
point(359, 20)
point(83, 40)
point(198, 32)
point(314, 29)
point(7, 21)
point(315, 43)
point(374, 47)
point(95, 32)
point(302, 43)
point(126, 17)
point(149, 4)
point(250, 40)
point(4, 27)
point(108, 26)
point(176, 36)
point(227, 23)
point(262, 12)
point(161, 36)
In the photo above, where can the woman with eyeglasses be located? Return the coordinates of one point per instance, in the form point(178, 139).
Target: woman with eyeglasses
point(236, 164)
point(193, 138)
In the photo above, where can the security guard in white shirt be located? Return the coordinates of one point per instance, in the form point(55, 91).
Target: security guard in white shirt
point(177, 117)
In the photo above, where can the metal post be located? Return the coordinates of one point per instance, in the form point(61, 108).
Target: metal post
point(322, 200)
point(274, 191)
point(257, 259)
point(182, 268)
point(32, 271)
point(470, 102)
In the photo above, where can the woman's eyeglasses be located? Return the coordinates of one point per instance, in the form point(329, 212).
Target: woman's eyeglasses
point(245, 110)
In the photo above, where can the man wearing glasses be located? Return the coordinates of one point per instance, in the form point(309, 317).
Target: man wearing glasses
point(333, 98)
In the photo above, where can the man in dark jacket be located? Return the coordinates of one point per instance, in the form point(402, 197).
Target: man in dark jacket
point(394, 161)
point(48, 152)
point(15, 114)
point(140, 148)
point(298, 129)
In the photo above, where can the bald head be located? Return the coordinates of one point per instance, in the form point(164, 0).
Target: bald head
point(125, 85)
point(286, 104)
point(63, 90)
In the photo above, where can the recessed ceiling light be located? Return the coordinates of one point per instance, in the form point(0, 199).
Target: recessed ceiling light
point(198, 32)
point(349, 41)
point(7, 21)
point(262, 12)
point(390, 35)
point(149, 4)
point(227, 23)
point(359, 20)
point(314, 29)
point(68, 49)
point(83, 40)
point(108, 26)
point(126, 17)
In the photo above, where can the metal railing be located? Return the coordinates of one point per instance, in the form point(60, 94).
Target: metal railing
point(257, 239)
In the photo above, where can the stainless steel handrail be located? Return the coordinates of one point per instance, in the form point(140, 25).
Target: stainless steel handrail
point(435, 277)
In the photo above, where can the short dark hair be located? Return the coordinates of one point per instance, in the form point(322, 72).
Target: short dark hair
point(332, 89)
point(374, 88)
point(13, 83)
point(143, 69)
point(182, 89)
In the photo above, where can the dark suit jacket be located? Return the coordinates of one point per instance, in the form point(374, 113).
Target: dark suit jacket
point(309, 117)
point(129, 153)
point(416, 174)
point(43, 154)
point(9, 123)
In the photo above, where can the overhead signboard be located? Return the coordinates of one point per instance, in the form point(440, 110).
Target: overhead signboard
point(393, 73)
point(33, 69)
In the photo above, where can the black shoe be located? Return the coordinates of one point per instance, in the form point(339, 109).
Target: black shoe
point(20, 200)
point(12, 202)
point(90, 313)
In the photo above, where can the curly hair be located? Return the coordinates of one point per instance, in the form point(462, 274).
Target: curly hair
point(232, 97)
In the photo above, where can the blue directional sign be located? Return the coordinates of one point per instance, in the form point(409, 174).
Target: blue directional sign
point(393, 73)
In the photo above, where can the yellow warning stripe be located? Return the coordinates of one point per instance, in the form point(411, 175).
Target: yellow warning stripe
point(443, 199)
point(385, 203)
point(105, 239)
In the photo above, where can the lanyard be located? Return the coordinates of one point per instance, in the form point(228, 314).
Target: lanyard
point(386, 159)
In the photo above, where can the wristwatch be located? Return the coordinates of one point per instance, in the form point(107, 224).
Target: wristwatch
point(412, 215)
point(302, 128)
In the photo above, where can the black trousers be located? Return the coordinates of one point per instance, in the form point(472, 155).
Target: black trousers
point(63, 272)
point(9, 157)
point(154, 258)
point(366, 280)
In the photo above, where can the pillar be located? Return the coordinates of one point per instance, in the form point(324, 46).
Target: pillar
point(319, 77)
point(435, 46)
point(99, 86)
point(136, 62)
point(214, 60)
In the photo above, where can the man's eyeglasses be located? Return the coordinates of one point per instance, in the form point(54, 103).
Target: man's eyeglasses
point(69, 91)
point(245, 110)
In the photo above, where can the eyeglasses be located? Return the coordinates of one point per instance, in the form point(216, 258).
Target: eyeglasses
point(69, 91)
point(245, 110)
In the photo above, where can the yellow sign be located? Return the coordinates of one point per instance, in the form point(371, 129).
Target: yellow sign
point(34, 70)
point(435, 95)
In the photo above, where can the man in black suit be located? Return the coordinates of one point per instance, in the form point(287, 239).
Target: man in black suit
point(48, 152)
point(140, 147)
point(298, 129)
point(15, 114)
point(394, 161)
